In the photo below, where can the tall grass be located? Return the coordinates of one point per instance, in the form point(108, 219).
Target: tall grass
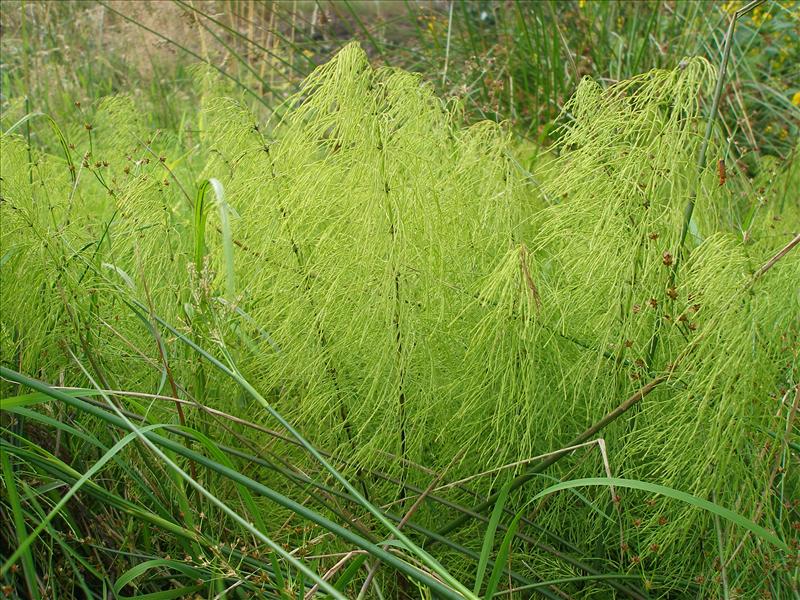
point(338, 343)
point(340, 289)
point(517, 61)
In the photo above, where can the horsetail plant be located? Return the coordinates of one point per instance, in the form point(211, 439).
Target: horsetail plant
point(413, 308)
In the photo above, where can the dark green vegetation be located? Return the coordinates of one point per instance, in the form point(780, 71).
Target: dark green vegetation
point(264, 338)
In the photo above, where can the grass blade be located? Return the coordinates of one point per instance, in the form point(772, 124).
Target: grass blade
point(488, 538)
point(654, 488)
point(28, 568)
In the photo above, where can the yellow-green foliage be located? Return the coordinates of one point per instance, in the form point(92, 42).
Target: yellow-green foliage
point(405, 292)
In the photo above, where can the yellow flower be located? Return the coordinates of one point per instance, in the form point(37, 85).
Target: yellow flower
point(796, 99)
point(760, 16)
point(581, 3)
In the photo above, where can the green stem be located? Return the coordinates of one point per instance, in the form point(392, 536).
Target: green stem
point(701, 159)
